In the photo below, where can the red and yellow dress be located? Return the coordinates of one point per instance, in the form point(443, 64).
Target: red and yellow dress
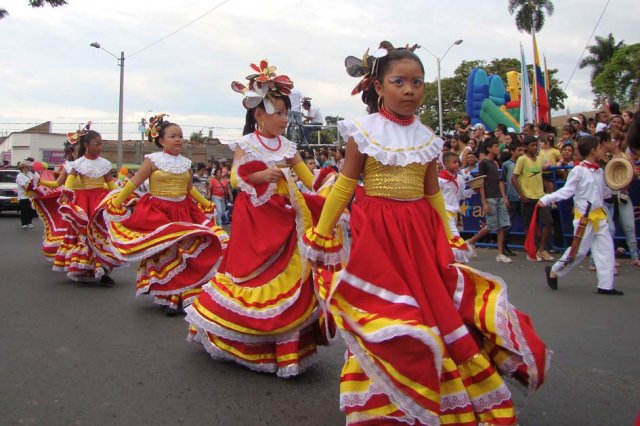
point(85, 253)
point(427, 339)
point(260, 309)
point(178, 247)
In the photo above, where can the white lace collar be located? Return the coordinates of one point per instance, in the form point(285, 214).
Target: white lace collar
point(175, 164)
point(391, 143)
point(251, 145)
point(92, 168)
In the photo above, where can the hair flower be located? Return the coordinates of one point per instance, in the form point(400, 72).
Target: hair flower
point(264, 84)
point(73, 137)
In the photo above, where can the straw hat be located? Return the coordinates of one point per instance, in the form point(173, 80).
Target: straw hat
point(618, 173)
point(25, 164)
point(477, 182)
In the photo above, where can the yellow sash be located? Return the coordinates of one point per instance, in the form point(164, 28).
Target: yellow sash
point(594, 216)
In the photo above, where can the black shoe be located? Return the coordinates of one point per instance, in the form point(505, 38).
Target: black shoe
point(107, 281)
point(551, 282)
point(612, 292)
point(172, 312)
point(509, 252)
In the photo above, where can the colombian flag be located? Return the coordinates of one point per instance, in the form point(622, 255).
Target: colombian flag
point(540, 99)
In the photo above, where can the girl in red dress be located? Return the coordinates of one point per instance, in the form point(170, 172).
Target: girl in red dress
point(85, 253)
point(427, 339)
point(260, 309)
point(179, 248)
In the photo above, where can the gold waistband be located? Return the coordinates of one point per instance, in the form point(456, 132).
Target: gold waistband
point(86, 182)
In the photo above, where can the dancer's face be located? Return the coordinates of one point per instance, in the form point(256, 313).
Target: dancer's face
point(402, 87)
point(172, 140)
point(274, 124)
point(94, 146)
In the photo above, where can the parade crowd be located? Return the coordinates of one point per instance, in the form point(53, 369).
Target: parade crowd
point(360, 242)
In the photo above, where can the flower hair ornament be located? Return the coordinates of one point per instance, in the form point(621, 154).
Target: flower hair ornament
point(73, 137)
point(155, 122)
point(367, 67)
point(264, 85)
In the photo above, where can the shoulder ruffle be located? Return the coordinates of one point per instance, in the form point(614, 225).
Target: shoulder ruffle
point(175, 164)
point(250, 144)
point(390, 143)
point(92, 168)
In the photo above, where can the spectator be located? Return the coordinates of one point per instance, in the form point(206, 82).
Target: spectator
point(26, 180)
point(514, 206)
point(313, 118)
point(200, 179)
point(527, 181)
point(219, 192)
point(494, 199)
point(295, 113)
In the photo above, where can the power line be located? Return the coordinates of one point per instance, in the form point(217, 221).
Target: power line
point(586, 45)
point(180, 29)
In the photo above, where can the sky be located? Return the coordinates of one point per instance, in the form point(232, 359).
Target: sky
point(48, 71)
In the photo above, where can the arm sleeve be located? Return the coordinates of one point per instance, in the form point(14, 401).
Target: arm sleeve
point(111, 185)
point(437, 201)
point(128, 189)
point(566, 192)
point(304, 174)
point(71, 178)
point(335, 204)
point(49, 183)
point(196, 195)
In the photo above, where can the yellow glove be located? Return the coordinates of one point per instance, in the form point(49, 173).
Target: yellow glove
point(49, 183)
point(304, 174)
point(196, 195)
point(233, 178)
point(335, 204)
point(111, 185)
point(71, 178)
point(437, 202)
point(122, 196)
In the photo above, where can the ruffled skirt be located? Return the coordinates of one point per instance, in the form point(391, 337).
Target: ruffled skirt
point(260, 309)
point(85, 253)
point(178, 247)
point(428, 340)
point(45, 203)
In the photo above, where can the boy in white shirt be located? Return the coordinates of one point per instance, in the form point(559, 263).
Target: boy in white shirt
point(586, 185)
point(452, 188)
point(27, 180)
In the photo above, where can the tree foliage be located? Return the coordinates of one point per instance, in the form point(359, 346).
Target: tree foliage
point(37, 3)
point(454, 91)
point(600, 53)
point(530, 14)
point(619, 79)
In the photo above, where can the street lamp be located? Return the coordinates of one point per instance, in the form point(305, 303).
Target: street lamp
point(121, 65)
point(438, 61)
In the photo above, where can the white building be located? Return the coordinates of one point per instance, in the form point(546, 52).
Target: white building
point(37, 142)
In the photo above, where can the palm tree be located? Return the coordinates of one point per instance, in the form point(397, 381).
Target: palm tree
point(601, 53)
point(37, 3)
point(530, 14)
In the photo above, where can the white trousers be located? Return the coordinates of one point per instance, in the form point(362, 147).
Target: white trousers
point(601, 246)
point(453, 224)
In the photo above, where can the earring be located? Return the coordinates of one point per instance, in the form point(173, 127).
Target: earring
point(380, 103)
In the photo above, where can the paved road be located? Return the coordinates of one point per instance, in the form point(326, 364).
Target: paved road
point(73, 354)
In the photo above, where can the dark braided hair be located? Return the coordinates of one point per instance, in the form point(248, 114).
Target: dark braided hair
point(382, 67)
point(85, 140)
point(250, 119)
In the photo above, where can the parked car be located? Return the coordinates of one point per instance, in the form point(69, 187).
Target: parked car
point(9, 190)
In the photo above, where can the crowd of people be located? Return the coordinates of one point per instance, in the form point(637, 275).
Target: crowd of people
point(362, 241)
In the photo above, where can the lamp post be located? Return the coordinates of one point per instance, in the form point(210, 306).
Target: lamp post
point(438, 61)
point(120, 106)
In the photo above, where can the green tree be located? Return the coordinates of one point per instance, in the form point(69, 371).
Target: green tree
point(37, 3)
point(600, 53)
point(196, 137)
point(619, 79)
point(530, 14)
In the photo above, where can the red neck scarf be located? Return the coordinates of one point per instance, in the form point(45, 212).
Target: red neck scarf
point(588, 165)
point(446, 175)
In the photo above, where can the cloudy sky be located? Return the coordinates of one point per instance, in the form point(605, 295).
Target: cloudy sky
point(48, 71)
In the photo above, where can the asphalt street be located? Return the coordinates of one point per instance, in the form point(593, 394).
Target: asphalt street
point(78, 354)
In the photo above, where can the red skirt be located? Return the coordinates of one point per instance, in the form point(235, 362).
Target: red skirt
point(427, 339)
point(260, 309)
point(46, 205)
point(178, 247)
point(85, 253)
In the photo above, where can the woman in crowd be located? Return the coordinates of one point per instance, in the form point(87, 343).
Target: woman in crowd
point(425, 337)
point(178, 247)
